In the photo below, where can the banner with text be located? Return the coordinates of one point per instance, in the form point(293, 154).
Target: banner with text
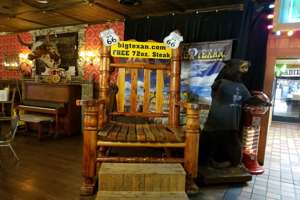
point(133, 49)
point(208, 51)
point(201, 64)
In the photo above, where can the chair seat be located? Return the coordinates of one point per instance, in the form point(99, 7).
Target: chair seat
point(141, 133)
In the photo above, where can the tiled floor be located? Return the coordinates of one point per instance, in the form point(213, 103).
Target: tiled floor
point(281, 179)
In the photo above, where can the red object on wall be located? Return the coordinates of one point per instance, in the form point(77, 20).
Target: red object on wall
point(9, 46)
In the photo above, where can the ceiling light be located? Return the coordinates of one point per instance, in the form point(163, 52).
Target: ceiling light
point(290, 33)
point(278, 33)
point(42, 1)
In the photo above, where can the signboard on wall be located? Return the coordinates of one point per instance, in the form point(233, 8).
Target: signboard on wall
point(134, 49)
point(291, 72)
point(201, 64)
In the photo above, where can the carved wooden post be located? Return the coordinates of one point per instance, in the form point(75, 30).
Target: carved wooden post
point(90, 127)
point(104, 84)
point(192, 140)
point(174, 109)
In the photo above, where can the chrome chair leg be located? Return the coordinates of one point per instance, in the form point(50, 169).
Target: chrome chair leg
point(12, 150)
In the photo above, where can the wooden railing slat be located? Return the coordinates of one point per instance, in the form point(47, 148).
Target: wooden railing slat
point(159, 90)
point(133, 92)
point(140, 114)
point(147, 75)
point(121, 90)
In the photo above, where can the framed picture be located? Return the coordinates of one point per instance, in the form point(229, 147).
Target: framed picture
point(287, 15)
point(67, 46)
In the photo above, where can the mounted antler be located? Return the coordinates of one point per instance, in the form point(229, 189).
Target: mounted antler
point(29, 45)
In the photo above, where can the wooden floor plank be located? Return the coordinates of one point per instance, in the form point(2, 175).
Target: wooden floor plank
point(48, 169)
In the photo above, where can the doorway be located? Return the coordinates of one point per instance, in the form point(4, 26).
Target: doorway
point(286, 92)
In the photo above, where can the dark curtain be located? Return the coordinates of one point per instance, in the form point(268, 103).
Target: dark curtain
point(210, 26)
point(252, 43)
point(247, 28)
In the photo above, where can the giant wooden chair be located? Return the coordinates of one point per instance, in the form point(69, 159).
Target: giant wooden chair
point(102, 133)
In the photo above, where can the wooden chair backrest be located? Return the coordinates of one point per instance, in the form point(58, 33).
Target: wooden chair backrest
point(133, 68)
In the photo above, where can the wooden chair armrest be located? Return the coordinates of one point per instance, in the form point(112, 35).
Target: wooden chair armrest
point(189, 105)
point(93, 102)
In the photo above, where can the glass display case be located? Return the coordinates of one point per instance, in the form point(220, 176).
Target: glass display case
point(287, 99)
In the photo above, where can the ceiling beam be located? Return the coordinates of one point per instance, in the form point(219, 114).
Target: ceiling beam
point(70, 17)
point(31, 21)
point(176, 6)
point(53, 6)
point(230, 7)
point(110, 9)
point(8, 27)
point(13, 28)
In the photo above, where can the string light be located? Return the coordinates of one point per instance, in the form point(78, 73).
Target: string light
point(270, 26)
point(278, 33)
point(290, 33)
point(270, 16)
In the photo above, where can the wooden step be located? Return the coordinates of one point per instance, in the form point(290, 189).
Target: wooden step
point(123, 195)
point(149, 177)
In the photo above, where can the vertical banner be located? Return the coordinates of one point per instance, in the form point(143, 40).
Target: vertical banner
point(200, 65)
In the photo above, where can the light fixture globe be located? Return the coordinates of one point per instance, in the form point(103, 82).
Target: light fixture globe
point(42, 1)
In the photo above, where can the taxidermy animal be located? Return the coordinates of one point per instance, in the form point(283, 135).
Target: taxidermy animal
point(221, 137)
point(44, 53)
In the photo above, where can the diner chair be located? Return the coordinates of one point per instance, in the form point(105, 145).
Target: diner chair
point(7, 139)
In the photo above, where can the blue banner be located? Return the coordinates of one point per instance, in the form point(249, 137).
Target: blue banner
point(201, 65)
